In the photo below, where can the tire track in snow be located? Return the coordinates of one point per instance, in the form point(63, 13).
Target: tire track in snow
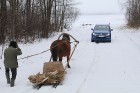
point(93, 64)
point(89, 70)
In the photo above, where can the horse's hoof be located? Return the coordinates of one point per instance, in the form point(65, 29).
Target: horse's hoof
point(69, 66)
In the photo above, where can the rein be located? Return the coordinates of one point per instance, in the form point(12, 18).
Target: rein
point(41, 52)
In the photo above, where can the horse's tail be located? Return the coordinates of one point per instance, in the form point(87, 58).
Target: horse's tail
point(54, 51)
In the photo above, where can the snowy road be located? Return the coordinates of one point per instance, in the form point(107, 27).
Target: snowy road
point(115, 66)
point(95, 68)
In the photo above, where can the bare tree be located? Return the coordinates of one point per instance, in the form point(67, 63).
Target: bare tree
point(133, 13)
point(3, 20)
point(28, 20)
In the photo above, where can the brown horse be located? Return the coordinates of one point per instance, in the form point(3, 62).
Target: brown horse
point(60, 49)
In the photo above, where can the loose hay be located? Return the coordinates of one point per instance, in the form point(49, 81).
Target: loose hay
point(53, 73)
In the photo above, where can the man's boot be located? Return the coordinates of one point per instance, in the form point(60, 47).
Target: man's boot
point(8, 78)
point(12, 82)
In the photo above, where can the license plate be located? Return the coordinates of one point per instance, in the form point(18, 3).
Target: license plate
point(101, 36)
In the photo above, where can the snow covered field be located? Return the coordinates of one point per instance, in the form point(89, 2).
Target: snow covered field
point(95, 68)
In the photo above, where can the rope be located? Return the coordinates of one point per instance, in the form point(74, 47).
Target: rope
point(41, 52)
point(44, 51)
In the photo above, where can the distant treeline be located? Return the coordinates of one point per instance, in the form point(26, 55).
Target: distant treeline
point(28, 20)
point(133, 13)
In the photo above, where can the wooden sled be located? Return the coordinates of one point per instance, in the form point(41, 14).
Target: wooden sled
point(53, 74)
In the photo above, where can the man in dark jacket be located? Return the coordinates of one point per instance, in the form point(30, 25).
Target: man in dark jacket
point(10, 61)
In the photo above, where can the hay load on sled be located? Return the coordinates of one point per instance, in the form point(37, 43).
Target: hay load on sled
point(53, 74)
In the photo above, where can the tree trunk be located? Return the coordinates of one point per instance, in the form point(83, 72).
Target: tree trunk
point(3, 20)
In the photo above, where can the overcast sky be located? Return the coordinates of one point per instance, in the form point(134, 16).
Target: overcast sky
point(99, 6)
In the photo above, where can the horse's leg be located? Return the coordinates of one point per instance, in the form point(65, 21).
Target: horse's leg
point(54, 58)
point(60, 58)
point(68, 61)
point(54, 54)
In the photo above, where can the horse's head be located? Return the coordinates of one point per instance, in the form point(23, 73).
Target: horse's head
point(66, 37)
